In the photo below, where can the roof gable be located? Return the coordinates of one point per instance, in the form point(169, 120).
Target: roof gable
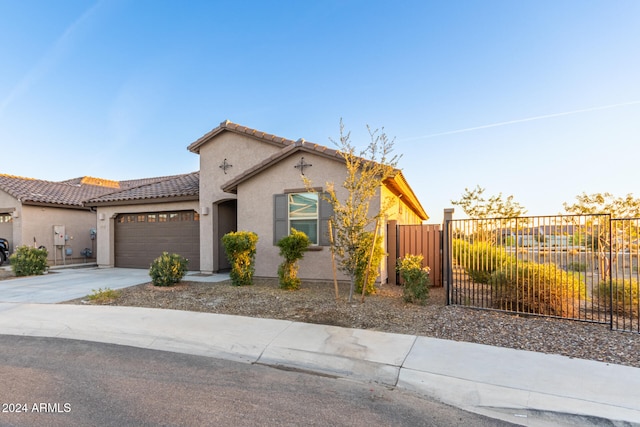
point(397, 184)
point(228, 126)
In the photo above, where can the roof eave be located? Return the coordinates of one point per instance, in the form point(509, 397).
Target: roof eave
point(146, 201)
point(398, 185)
point(228, 126)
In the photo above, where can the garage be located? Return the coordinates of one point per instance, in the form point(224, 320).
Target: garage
point(142, 237)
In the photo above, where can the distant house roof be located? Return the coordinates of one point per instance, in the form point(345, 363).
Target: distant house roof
point(176, 187)
point(239, 129)
point(88, 191)
point(40, 192)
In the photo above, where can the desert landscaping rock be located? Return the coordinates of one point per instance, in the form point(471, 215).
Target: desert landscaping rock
point(387, 312)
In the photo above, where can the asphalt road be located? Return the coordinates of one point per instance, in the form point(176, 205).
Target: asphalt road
point(59, 382)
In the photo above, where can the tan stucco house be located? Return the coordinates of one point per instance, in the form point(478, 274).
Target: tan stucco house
point(248, 180)
point(38, 213)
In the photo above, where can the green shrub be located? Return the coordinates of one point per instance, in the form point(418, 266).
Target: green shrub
point(480, 259)
point(28, 261)
point(530, 287)
point(240, 247)
point(577, 266)
point(103, 296)
point(168, 269)
point(415, 277)
point(626, 297)
point(292, 248)
point(364, 252)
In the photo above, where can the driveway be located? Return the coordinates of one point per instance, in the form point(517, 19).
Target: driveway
point(66, 284)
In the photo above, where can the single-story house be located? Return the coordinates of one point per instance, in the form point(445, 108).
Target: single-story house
point(38, 213)
point(248, 180)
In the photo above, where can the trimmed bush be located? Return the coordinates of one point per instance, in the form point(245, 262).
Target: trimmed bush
point(292, 248)
point(364, 252)
point(28, 261)
point(168, 269)
point(626, 296)
point(240, 247)
point(415, 277)
point(577, 266)
point(480, 259)
point(530, 287)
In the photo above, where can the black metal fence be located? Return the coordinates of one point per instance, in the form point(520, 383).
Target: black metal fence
point(577, 267)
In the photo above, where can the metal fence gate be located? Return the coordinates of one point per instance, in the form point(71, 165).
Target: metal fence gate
point(582, 267)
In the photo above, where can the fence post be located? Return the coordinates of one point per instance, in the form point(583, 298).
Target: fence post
point(445, 252)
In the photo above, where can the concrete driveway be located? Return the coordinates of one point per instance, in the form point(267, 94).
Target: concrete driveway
point(70, 283)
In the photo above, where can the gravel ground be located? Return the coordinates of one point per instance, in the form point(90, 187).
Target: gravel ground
point(386, 311)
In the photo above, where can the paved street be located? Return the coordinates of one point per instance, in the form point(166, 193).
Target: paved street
point(110, 385)
point(521, 387)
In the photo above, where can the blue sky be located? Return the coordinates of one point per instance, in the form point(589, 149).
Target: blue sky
point(538, 99)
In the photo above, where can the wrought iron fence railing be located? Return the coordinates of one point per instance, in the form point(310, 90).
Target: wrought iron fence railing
point(582, 267)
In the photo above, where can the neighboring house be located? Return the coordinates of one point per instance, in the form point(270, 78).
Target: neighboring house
point(51, 214)
point(55, 215)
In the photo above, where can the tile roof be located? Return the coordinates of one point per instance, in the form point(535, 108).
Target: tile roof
point(239, 129)
point(177, 186)
point(36, 191)
point(77, 192)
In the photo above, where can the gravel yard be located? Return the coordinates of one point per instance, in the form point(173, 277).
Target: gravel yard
point(386, 311)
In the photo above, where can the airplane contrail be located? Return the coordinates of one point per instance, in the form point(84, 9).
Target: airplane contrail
point(528, 119)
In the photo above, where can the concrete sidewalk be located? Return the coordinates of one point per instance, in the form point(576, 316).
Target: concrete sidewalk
point(522, 387)
point(65, 283)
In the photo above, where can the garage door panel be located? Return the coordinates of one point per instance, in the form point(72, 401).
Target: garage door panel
point(138, 241)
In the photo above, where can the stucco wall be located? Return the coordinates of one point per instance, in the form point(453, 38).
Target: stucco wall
point(36, 227)
point(255, 211)
point(398, 209)
point(241, 153)
point(105, 244)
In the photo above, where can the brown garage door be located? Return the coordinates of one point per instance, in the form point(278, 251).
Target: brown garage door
point(142, 237)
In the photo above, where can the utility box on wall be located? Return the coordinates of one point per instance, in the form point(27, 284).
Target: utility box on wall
point(58, 235)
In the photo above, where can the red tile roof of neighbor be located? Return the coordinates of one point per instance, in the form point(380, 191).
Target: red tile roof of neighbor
point(76, 192)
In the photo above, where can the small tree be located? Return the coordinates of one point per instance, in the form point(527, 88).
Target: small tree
point(292, 248)
point(368, 257)
point(365, 172)
point(476, 206)
point(604, 240)
point(493, 214)
point(240, 247)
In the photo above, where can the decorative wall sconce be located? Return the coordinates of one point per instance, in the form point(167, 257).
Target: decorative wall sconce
point(302, 164)
point(225, 165)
